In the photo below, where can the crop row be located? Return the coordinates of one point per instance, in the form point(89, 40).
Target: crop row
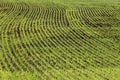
point(41, 39)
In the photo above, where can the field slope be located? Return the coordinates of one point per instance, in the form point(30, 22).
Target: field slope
point(59, 40)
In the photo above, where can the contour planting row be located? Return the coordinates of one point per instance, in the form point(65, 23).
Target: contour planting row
point(41, 39)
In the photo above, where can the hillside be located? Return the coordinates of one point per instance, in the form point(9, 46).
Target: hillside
point(59, 40)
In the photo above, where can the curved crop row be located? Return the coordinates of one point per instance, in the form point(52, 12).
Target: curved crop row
point(58, 42)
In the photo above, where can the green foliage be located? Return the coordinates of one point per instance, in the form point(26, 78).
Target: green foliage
point(59, 40)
